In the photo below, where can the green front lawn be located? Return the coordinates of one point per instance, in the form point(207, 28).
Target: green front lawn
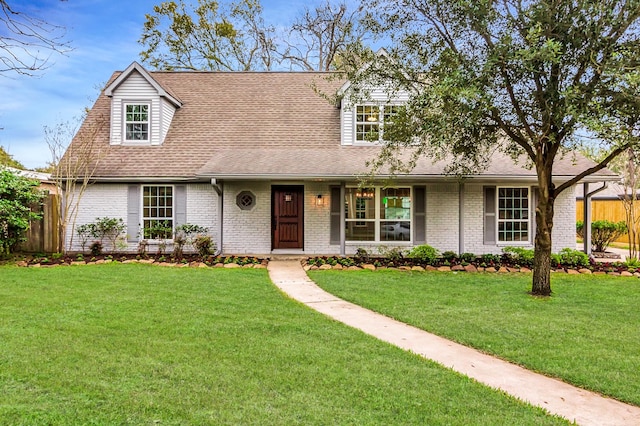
point(587, 333)
point(144, 345)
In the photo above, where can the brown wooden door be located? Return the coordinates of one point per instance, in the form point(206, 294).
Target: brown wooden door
point(288, 217)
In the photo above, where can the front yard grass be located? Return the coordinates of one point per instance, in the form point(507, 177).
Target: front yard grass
point(587, 333)
point(140, 344)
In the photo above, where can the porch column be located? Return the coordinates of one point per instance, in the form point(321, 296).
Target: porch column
point(343, 218)
point(586, 218)
point(460, 218)
point(587, 213)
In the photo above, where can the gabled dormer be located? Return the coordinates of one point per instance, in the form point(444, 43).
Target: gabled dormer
point(364, 109)
point(141, 108)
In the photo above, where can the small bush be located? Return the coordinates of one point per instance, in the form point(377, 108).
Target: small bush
point(392, 254)
point(96, 248)
point(603, 233)
point(449, 256)
point(490, 259)
point(520, 255)
point(573, 258)
point(362, 255)
point(424, 253)
point(468, 257)
point(205, 245)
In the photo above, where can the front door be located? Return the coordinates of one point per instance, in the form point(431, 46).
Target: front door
point(287, 217)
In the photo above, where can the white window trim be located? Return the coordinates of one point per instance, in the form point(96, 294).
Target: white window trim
point(378, 221)
point(173, 212)
point(381, 114)
point(529, 222)
point(125, 103)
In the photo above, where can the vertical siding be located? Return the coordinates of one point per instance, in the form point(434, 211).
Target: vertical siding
point(612, 210)
point(347, 113)
point(137, 89)
point(167, 115)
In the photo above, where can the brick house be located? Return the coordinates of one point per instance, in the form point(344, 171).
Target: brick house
point(270, 166)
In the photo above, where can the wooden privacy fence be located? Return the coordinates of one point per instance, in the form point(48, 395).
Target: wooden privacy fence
point(45, 236)
point(612, 210)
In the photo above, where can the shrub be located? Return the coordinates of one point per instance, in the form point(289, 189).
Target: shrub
point(603, 233)
point(468, 257)
point(573, 258)
point(392, 254)
point(490, 259)
point(632, 264)
point(205, 245)
point(449, 256)
point(188, 233)
point(424, 253)
point(362, 255)
point(96, 248)
point(520, 255)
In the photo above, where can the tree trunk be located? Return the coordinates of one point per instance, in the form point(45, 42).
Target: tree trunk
point(542, 253)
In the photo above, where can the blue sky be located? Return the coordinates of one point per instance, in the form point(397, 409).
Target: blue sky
point(104, 35)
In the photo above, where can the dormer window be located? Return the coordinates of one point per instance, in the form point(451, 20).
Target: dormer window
point(370, 121)
point(136, 122)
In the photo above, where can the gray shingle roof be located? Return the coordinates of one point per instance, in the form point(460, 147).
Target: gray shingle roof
point(254, 124)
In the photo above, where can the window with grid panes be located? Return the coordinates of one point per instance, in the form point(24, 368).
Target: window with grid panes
point(513, 215)
point(136, 122)
point(378, 214)
point(370, 121)
point(157, 212)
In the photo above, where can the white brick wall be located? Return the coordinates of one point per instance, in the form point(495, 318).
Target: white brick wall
point(110, 200)
point(99, 200)
point(442, 216)
point(249, 231)
point(317, 219)
point(564, 221)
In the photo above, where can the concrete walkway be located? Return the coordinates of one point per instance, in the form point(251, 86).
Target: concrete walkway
point(574, 404)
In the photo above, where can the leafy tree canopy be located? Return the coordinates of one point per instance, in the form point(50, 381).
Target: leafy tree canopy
point(7, 160)
point(218, 36)
point(530, 78)
point(17, 194)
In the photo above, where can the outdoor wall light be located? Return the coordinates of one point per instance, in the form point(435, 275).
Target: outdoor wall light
point(319, 200)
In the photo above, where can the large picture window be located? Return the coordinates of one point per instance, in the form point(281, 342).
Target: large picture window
point(136, 122)
point(157, 212)
point(513, 215)
point(370, 121)
point(378, 214)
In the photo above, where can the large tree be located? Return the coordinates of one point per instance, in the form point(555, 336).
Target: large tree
point(530, 78)
point(27, 41)
point(210, 36)
point(233, 36)
point(321, 35)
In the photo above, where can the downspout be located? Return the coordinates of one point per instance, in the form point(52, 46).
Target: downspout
point(219, 188)
point(586, 213)
point(460, 218)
